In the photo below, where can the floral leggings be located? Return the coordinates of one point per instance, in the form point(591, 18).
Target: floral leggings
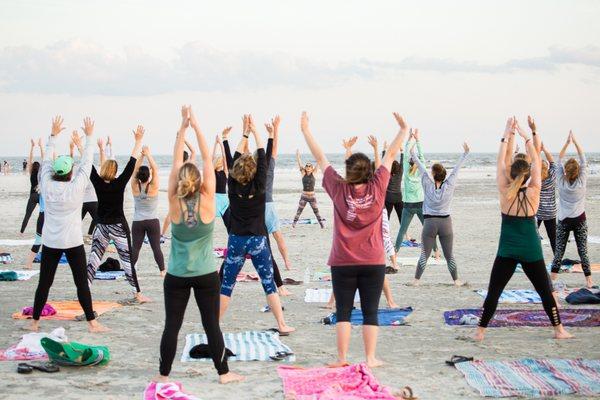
point(312, 200)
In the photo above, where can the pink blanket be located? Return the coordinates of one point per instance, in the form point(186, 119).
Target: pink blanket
point(346, 383)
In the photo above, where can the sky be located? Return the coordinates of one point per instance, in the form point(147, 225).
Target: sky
point(456, 70)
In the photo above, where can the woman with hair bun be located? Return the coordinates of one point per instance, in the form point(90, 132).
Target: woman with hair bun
point(145, 186)
point(572, 183)
point(191, 262)
point(519, 240)
point(112, 224)
point(308, 172)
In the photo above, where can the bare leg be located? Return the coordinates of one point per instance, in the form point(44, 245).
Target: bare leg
point(370, 341)
point(282, 249)
point(387, 292)
point(343, 330)
point(275, 305)
point(224, 305)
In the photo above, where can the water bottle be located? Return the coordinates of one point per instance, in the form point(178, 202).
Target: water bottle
point(307, 275)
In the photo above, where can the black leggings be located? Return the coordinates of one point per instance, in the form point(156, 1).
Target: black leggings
point(207, 293)
point(90, 207)
point(394, 206)
point(76, 258)
point(226, 217)
point(368, 279)
point(502, 271)
point(34, 199)
point(150, 228)
point(550, 225)
point(38, 232)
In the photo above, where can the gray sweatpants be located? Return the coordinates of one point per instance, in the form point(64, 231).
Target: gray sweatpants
point(432, 228)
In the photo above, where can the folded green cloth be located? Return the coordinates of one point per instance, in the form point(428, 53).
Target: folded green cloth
point(8, 276)
point(75, 354)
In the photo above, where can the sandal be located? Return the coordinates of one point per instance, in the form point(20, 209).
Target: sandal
point(407, 393)
point(390, 270)
point(281, 355)
point(458, 359)
point(49, 367)
point(275, 330)
point(291, 282)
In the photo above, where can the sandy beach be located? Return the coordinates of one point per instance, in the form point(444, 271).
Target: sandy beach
point(414, 354)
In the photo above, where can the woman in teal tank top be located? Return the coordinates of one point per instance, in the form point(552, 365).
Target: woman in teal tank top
point(519, 188)
point(191, 263)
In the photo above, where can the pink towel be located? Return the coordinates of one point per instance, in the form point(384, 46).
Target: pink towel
point(166, 391)
point(346, 383)
point(46, 311)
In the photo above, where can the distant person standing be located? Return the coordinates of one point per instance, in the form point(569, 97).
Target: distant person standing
point(6, 167)
point(24, 166)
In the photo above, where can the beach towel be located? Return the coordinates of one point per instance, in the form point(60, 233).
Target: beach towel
point(75, 354)
point(301, 221)
point(410, 243)
point(8, 276)
point(109, 275)
point(166, 391)
point(584, 296)
point(30, 347)
point(38, 259)
point(221, 252)
point(413, 261)
point(578, 317)
point(16, 242)
point(247, 277)
point(70, 309)
point(322, 276)
point(247, 346)
point(353, 382)
point(322, 295)
point(6, 258)
point(515, 296)
point(386, 317)
point(594, 239)
point(22, 275)
point(533, 378)
point(47, 311)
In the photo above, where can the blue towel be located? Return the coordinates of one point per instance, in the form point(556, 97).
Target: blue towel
point(63, 259)
point(387, 317)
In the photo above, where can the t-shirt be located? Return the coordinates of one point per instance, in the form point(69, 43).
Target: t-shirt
point(247, 202)
point(571, 196)
point(111, 194)
point(357, 221)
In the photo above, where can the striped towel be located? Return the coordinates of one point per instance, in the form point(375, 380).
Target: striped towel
point(515, 296)
point(322, 295)
point(247, 346)
point(533, 378)
point(6, 258)
point(109, 275)
point(23, 275)
point(301, 221)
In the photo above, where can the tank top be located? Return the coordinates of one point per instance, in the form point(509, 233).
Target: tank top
point(308, 183)
point(145, 207)
point(192, 248)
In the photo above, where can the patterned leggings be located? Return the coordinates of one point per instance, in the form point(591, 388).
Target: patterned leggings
point(580, 230)
point(312, 200)
point(119, 234)
point(258, 249)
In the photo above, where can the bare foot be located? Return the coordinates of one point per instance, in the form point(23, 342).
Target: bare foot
point(288, 265)
point(392, 304)
point(338, 364)
point(479, 335)
point(374, 362)
point(283, 291)
point(458, 283)
point(95, 327)
point(163, 274)
point(561, 333)
point(286, 329)
point(230, 377)
point(588, 281)
point(160, 379)
point(328, 306)
point(416, 282)
point(142, 299)
point(34, 326)
point(437, 255)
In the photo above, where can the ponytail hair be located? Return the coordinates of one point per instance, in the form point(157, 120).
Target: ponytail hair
point(189, 181)
point(519, 173)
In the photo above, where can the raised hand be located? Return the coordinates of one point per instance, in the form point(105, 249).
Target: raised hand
point(108, 141)
point(275, 123)
point(571, 137)
point(88, 126)
point(373, 141)
point(304, 122)
point(269, 128)
point(225, 133)
point(348, 143)
point(416, 134)
point(75, 140)
point(40, 142)
point(520, 130)
point(193, 120)
point(466, 147)
point(101, 144)
point(185, 116)
point(245, 124)
point(145, 151)
point(57, 125)
point(531, 124)
point(401, 122)
point(251, 126)
point(139, 133)
point(510, 127)
point(32, 143)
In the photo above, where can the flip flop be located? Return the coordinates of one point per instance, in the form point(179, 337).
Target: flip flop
point(458, 359)
point(292, 282)
point(49, 367)
point(275, 330)
point(82, 317)
point(407, 393)
point(281, 355)
point(390, 270)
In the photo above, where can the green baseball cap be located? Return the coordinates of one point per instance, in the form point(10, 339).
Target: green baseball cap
point(62, 165)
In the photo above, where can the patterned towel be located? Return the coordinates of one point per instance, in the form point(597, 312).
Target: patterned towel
point(353, 382)
point(70, 309)
point(322, 295)
point(247, 346)
point(301, 221)
point(515, 296)
point(578, 317)
point(6, 258)
point(22, 275)
point(533, 378)
point(386, 317)
point(109, 275)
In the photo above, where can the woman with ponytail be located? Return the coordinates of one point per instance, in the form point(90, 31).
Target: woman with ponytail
point(247, 186)
point(191, 262)
point(572, 184)
point(519, 239)
point(112, 224)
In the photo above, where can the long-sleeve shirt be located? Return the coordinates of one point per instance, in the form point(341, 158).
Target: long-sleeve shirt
point(437, 200)
point(111, 194)
point(571, 196)
point(63, 200)
point(412, 190)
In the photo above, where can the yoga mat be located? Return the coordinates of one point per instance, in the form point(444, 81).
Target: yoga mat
point(22, 275)
point(322, 295)
point(301, 221)
point(515, 296)
point(109, 275)
point(247, 346)
point(38, 259)
point(16, 242)
point(533, 378)
point(70, 309)
point(413, 261)
point(578, 317)
point(387, 317)
point(353, 382)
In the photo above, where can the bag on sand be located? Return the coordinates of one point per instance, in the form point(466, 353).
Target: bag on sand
point(75, 354)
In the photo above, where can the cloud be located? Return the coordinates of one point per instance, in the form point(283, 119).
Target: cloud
point(82, 68)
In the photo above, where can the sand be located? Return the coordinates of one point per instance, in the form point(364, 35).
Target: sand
point(414, 354)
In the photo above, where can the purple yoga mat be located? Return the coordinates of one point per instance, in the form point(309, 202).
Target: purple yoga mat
point(504, 318)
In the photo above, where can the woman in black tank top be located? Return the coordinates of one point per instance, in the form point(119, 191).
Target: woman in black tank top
point(308, 191)
point(34, 197)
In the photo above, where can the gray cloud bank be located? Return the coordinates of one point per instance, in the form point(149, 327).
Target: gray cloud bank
point(80, 68)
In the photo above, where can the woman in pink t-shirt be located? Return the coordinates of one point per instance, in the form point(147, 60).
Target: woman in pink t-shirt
point(357, 257)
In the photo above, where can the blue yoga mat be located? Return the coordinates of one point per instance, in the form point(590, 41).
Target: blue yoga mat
point(63, 259)
point(387, 317)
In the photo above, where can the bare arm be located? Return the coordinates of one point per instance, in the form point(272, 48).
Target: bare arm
point(178, 157)
point(138, 164)
point(537, 140)
point(102, 153)
point(155, 182)
point(563, 151)
point(548, 154)
point(314, 147)
point(137, 147)
point(30, 160)
point(348, 146)
point(535, 179)
point(299, 161)
point(501, 176)
point(208, 170)
point(275, 123)
point(192, 150)
point(396, 144)
point(252, 129)
point(377, 158)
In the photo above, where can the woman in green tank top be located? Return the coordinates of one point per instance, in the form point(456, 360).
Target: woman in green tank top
point(519, 188)
point(191, 263)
